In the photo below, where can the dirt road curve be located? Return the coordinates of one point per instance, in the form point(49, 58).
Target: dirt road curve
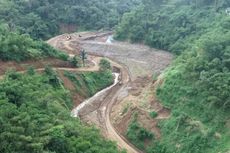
point(131, 60)
point(93, 68)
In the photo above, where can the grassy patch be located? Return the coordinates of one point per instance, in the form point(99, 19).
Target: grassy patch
point(89, 83)
point(125, 109)
point(137, 134)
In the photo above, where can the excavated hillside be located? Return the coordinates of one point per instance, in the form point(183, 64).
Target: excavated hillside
point(137, 64)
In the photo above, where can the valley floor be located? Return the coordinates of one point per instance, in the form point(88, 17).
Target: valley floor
point(136, 64)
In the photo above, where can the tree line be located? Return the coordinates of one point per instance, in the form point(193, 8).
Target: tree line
point(43, 19)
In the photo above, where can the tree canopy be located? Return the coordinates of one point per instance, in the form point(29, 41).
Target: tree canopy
point(35, 117)
point(43, 19)
point(14, 46)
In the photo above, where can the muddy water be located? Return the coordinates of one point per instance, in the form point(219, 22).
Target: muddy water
point(76, 110)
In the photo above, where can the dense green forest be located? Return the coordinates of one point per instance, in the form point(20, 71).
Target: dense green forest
point(42, 19)
point(197, 85)
point(16, 47)
point(35, 117)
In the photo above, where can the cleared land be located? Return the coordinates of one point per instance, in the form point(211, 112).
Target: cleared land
point(134, 62)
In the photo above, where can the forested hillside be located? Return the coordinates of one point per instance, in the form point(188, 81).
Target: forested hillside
point(35, 117)
point(196, 87)
point(173, 25)
point(24, 20)
point(43, 19)
point(20, 47)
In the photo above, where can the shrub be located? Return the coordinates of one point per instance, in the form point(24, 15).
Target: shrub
point(75, 61)
point(153, 114)
point(105, 65)
point(137, 134)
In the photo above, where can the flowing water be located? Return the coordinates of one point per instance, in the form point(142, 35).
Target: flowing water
point(109, 40)
point(75, 111)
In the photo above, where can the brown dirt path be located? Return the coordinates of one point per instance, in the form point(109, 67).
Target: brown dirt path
point(132, 61)
point(104, 106)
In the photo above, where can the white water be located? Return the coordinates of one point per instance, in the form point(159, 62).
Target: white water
point(109, 40)
point(75, 111)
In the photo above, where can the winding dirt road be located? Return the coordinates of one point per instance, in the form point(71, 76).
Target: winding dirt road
point(130, 60)
point(103, 108)
point(126, 59)
point(98, 110)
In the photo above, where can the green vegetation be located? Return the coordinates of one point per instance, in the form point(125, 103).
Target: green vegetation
point(153, 114)
point(105, 65)
point(200, 101)
point(21, 20)
point(35, 117)
point(21, 47)
point(88, 83)
point(43, 19)
point(172, 25)
point(75, 61)
point(137, 134)
point(125, 109)
point(196, 87)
